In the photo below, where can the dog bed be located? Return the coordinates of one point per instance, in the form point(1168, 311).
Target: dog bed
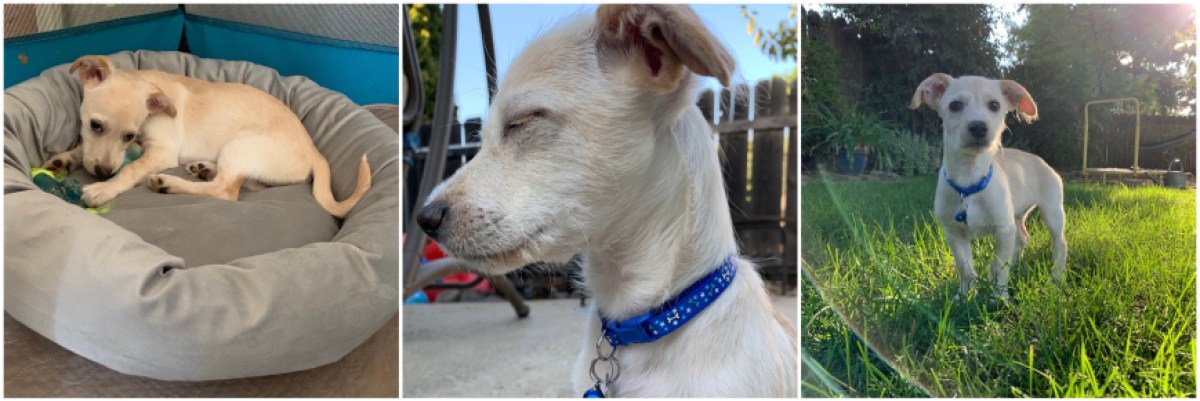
point(178, 287)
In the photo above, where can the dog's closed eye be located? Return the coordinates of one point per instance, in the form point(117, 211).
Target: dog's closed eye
point(523, 119)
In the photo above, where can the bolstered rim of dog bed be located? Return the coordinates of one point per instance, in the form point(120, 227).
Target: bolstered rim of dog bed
point(115, 296)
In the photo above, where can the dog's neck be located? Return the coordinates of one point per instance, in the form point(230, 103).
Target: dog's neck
point(676, 229)
point(967, 168)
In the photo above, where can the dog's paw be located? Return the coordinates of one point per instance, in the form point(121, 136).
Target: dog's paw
point(99, 193)
point(203, 170)
point(61, 162)
point(157, 183)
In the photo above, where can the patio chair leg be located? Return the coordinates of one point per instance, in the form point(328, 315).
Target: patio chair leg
point(506, 289)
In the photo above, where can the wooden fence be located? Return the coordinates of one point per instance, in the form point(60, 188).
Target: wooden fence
point(758, 155)
point(759, 165)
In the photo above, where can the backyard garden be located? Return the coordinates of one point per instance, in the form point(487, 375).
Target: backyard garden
point(880, 315)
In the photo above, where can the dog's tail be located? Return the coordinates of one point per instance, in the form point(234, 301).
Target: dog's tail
point(324, 193)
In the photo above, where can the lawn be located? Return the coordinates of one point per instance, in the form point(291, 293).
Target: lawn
point(877, 272)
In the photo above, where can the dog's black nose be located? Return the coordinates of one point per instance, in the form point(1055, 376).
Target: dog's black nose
point(978, 129)
point(103, 172)
point(431, 216)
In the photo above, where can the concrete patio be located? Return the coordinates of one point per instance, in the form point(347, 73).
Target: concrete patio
point(481, 349)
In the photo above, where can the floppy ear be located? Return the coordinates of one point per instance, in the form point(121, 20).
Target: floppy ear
point(93, 70)
point(930, 91)
point(1019, 100)
point(160, 103)
point(664, 39)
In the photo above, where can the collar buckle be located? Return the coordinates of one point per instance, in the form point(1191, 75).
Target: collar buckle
point(632, 330)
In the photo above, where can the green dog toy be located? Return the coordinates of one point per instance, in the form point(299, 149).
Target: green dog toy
point(69, 189)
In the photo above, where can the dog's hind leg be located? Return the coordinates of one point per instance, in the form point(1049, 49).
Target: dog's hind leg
point(224, 186)
point(241, 159)
point(204, 170)
point(1056, 221)
point(1022, 234)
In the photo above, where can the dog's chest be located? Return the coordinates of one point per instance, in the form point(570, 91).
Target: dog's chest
point(978, 217)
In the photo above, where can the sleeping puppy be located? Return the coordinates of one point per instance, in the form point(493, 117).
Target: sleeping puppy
point(253, 136)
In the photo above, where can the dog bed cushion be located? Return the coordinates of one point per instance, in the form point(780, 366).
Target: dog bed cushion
point(179, 287)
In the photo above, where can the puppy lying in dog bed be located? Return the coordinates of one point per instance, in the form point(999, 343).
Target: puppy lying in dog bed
point(178, 287)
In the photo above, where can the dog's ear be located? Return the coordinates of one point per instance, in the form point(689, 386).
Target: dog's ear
point(160, 103)
point(1020, 100)
point(665, 39)
point(93, 70)
point(930, 91)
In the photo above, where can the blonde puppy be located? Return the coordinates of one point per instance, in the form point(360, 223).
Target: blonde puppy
point(985, 189)
point(595, 146)
point(252, 136)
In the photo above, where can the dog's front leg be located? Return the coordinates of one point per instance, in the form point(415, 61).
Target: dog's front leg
point(1006, 243)
point(960, 247)
point(64, 161)
point(153, 161)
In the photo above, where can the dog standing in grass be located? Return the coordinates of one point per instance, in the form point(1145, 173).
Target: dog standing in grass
point(984, 189)
point(595, 145)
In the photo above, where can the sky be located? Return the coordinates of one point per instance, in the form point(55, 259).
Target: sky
point(514, 26)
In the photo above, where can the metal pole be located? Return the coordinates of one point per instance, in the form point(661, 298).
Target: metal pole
point(489, 50)
point(1137, 134)
point(1137, 131)
point(439, 138)
point(1085, 142)
point(415, 107)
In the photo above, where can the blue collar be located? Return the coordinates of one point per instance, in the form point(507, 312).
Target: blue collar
point(973, 189)
point(673, 314)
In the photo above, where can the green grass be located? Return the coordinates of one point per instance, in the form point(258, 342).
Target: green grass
point(879, 319)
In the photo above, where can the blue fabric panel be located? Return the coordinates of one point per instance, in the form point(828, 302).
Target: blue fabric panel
point(158, 31)
point(365, 73)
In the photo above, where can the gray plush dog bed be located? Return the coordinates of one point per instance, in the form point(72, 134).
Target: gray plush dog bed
point(178, 287)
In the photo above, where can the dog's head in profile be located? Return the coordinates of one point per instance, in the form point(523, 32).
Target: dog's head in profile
point(973, 108)
point(115, 105)
point(572, 132)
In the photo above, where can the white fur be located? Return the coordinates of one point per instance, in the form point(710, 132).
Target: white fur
point(177, 119)
point(1020, 181)
point(621, 166)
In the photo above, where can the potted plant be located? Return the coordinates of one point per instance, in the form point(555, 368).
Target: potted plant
point(853, 134)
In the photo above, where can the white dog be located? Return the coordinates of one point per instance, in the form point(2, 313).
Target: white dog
point(595, 145)
point(253, 135)
point(985, 189)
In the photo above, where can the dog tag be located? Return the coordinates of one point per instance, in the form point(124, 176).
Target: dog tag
point(594, 392)
point(961, 216)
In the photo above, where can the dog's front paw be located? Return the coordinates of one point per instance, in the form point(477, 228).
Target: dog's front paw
point(157, 183)
point(99, 193)
point(61, 162)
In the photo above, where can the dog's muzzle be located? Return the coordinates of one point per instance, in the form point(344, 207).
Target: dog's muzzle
point(977, 134)
point(431, 216)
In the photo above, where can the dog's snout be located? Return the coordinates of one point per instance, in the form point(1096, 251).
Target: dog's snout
point(431, 216)
point(103, 171)
point(978, 129)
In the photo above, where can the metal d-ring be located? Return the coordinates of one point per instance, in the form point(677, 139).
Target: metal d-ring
point(599, 346)
point(614, 365)
point(614, 370)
